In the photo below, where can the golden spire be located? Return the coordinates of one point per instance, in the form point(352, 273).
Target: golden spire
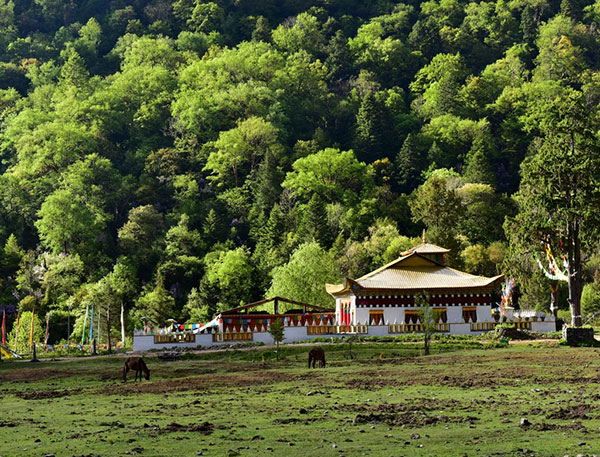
point(424, 235)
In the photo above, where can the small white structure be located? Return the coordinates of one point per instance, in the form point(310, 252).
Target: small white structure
point(243, 324)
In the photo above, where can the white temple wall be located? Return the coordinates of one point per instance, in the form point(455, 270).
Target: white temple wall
point(454, 314)
point(143, 343)
point(546, 326)
point(378, 330)
point(391, 315)
point(460, 329)
point(484, 313)
point(146, 342)
point(204, 339)
point(291, 334)
point(362, 316)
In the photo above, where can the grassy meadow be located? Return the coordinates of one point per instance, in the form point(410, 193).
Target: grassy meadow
point(387, 400)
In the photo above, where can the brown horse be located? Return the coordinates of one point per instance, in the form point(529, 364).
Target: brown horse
point(316, 355)
point(137, 364)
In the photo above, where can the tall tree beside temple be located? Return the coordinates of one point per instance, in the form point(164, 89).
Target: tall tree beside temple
point(560, 188)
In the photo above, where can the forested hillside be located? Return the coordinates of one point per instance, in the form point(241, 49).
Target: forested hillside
point(179, 158)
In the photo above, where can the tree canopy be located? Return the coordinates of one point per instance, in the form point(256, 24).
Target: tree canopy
point(177, 158)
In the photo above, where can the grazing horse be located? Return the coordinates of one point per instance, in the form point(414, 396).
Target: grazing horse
point(316, 355)
point(137, 364)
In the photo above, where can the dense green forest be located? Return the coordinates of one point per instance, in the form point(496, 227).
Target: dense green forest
point(179, 158)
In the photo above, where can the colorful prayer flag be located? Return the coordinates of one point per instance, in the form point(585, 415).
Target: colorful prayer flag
point(92, 324)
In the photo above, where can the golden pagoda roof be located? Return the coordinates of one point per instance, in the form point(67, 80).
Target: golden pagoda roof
point(413, 271)
point(427, 248)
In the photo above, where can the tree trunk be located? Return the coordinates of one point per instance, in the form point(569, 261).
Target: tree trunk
point(554, 298)
point(122, 324)
point(108, 329)
point(575, 274)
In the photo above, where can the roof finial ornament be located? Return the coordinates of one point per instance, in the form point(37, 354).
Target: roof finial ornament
point(424, 235)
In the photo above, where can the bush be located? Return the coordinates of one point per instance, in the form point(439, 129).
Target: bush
point(590, 299)
point(565, 315)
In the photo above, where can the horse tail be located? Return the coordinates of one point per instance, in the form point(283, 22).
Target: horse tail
point(125, 370)
point(144, 368)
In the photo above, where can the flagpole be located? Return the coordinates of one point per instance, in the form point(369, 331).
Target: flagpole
point(3, 326)
point(87, 307)
point(17, 330)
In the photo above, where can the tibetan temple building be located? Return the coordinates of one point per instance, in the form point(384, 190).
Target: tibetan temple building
point(386, 296)
point(386, 301)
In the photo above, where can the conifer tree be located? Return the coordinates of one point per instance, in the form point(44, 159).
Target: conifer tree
point(373, 129)
point(314, 222)
point(409, 164)
point(477, 166)
point(262, 31)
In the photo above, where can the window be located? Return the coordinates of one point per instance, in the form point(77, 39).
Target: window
point(442, 316)
point(376, 318)
point(470, 314)
point(411, 317)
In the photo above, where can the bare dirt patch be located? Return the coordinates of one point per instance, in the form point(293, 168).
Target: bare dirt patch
point(111, 376)
point(478, 373)
point(43, 394)
point(198, 383)
point(411, 419)
point(365, 381)
point(294, 420)
point(417, 404)
point(410, 414)
point(545, 427)
point(8, 424)
point(205, 427)
point(20, 374)
point(572, 412)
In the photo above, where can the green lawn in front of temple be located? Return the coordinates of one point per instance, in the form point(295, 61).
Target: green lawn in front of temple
point(385, 401)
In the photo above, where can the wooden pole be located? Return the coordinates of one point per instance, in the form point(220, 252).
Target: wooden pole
point(47, 329)
point(17, 330)
point(4, 326)
point(122, 323)
point(99, 319)
point(31, 329)
point(34, 358)
point(108, 328)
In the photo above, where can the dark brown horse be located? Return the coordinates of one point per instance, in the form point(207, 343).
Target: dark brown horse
point(138, 365)
point(316, 355)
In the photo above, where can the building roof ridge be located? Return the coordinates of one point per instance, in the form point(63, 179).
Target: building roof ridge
point(394, 262)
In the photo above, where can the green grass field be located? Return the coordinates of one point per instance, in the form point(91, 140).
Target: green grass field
point(386, 401)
